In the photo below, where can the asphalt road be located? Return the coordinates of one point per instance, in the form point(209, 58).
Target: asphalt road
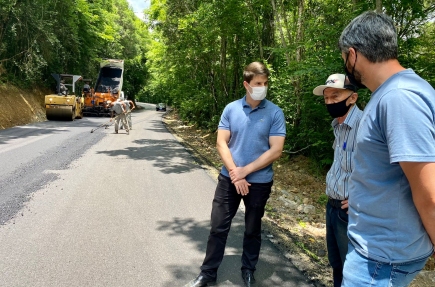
point(105, 209)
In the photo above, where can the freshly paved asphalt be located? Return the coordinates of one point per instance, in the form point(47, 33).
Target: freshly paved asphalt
point(104, 209)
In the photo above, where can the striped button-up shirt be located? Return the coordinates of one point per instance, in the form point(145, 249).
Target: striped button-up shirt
point(337, 179)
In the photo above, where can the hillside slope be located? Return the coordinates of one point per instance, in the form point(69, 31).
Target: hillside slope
point(20, 107)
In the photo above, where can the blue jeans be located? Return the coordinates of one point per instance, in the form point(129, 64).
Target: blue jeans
point(336, 240)
point(360, 271)
point(225, 205)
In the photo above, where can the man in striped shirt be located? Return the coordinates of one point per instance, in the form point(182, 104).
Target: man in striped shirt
point(340, 97)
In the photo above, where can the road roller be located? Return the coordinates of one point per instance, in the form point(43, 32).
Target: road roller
point(67, 104)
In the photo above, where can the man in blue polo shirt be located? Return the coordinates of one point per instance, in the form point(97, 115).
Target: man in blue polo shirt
point(392, 188)
point(251, 136)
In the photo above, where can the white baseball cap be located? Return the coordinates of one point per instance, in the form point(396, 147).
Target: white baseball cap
point(337, 81)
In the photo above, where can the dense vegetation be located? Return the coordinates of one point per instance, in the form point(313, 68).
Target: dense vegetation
point(40, 37)
point(200, 48)
point(191, 53)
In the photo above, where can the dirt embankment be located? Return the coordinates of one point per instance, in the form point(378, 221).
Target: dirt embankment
point(20, 107)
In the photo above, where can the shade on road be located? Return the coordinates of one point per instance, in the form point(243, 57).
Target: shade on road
point(106, 209)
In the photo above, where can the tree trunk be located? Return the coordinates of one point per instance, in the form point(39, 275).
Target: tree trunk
point(300, 30)
point(299, 56)
point(257, 29)
point(281, 33)
point(223, 63)
point(236, 67)
point(286, 25)
point(379, 6)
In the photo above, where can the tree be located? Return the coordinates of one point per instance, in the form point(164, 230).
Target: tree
point(40, 37)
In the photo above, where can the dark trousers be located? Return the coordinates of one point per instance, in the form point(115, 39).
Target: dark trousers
point(225, 204)
point(336, 239)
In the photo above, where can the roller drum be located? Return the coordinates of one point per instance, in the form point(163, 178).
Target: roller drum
point(58, 112)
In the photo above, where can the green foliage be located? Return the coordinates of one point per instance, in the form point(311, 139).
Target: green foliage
point(40, 37)
point(200, 48)
point(307, 250)
point(197, 58)
point(322, 200)
point(194, 56)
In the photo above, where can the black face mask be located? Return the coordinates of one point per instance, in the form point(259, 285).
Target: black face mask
point(351, 76)
point(339, 109)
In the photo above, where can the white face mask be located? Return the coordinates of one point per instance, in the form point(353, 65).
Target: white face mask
point(258, 93)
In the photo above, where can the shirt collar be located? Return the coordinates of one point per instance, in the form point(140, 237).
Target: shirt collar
point(262, 104)
point(350, 119)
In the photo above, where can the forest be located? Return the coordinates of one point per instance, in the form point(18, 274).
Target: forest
point(41, 37)
point(191, 53)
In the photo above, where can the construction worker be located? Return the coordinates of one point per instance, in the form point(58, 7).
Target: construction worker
point(86, 87)
point(63, 90)
point(129, 108)
point(119, 109)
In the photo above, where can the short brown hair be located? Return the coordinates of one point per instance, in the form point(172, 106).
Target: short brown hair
point(255, 69)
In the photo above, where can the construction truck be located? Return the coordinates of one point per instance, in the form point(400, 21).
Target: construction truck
point(67, 103)
point(108, 87)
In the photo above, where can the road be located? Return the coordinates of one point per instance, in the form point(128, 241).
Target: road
point(105, 209)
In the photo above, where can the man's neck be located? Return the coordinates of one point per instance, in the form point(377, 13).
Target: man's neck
point(377, 73)
point(343, 118)
point(252, 103)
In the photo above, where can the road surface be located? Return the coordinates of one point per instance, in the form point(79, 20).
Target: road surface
point(105, 209)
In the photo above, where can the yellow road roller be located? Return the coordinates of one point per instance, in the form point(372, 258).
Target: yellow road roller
point(66, 104)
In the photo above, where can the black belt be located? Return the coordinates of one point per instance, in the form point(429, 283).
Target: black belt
point(336, 203)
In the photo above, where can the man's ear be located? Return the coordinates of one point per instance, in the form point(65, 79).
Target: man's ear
point(246, 85)
point(352, 55)
point(353, 98)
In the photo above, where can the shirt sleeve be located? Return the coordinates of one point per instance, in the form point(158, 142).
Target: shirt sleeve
point(224, 123)
point(278, 125)
point(407, 122)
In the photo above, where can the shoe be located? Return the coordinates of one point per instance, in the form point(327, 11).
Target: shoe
point(121, 128)
point(248, 277)
point(201, 281)
point(127, 132)
point(116, 132)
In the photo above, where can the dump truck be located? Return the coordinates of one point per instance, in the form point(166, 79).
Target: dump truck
point(108, 87)
point(66, 104)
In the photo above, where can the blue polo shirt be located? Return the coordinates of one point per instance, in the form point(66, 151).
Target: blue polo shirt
point(398, 125)
point(250, 131)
